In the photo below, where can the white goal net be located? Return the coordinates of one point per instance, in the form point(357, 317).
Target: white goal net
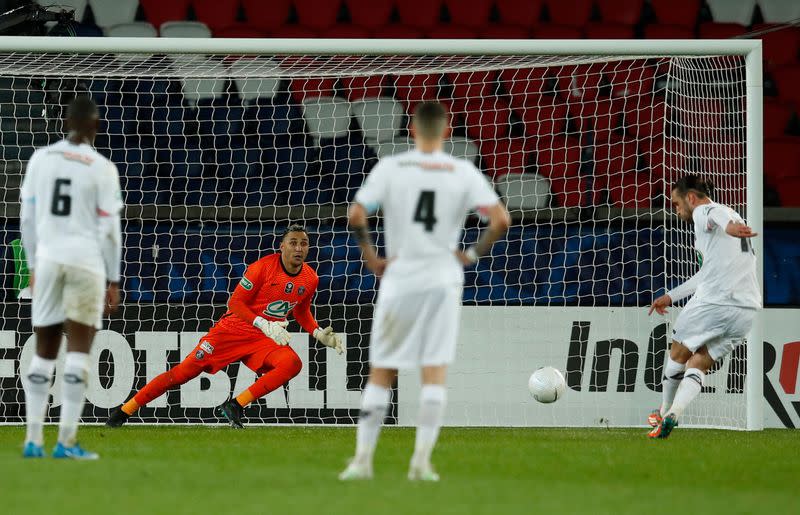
point(218, 153)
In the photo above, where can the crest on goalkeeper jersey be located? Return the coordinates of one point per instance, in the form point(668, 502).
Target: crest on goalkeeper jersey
point(289, 287)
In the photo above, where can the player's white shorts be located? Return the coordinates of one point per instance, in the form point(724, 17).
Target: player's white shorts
point(416, 329)
point(64, 292)
point(719, 328)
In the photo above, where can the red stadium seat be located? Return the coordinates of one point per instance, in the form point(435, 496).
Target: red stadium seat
point(506, 155)
point(645, 120)
point(558, 32)
point(631, 78)
point(603, 117)
point(487, 119)
point(412, 89)
point(451, 32)
point(787, 79)
point(523, 14)
point(677, 12)
point(217, 14)
point(311, 87)
point(782, 158)
point(575, 13)
point(159, 11)
point(776, 118)
point(345, 31)
point(631, 189)
point(789, 191)
point(293, 31)
point(469, 13)
point(495, 31)
point(472, 85)
point(544, 121)
point(558, 157)
point(581, 82)
point(422, 14)
point(266, 15)
point(358, 88)
point(720, 30)
point(623, 12)
point(608, 31)
point(317, 15)
point(659, 31)
point(397, 31)
point(780, 46)
point(568, 192)
point(521, 83)
point(240, 31)
point(614, 157)
point(371, 14)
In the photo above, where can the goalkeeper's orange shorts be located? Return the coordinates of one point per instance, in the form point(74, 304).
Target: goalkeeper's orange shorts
point(220, 347)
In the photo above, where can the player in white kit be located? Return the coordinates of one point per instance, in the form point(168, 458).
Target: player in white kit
point(70, 224)
point(424, 195)
point(723, 307)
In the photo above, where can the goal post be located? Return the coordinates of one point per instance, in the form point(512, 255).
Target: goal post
point(221, 142)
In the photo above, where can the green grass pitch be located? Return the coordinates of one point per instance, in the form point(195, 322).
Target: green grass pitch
point(283, 470)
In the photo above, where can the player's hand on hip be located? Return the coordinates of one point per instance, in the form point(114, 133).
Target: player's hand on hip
point(660, 305)
point(112, 298)
point(738, 230)
point(274, 330)
point(377, 265)
point(31, 282)
point(330, 339)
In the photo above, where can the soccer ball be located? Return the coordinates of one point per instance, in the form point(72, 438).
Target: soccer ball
point(547, 385)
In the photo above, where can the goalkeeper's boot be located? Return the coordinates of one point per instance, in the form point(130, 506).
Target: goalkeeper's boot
point(31, 450)
point(232, 412)
point(654, 418)
point(422, 472)
point(666, 426)
point(75, 452)
point(117, 418)
point(356, 471)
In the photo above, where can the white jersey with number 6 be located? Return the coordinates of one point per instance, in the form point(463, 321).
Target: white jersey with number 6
point(68, 188)
point(425, 198)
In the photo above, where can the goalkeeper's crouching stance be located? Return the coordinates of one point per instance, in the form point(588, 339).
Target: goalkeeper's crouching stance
point(252, 331)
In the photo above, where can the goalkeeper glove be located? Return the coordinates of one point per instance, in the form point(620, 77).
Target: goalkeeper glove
point(275, 330)
point(330, 339)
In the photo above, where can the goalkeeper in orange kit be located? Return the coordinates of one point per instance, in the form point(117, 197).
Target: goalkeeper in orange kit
point(252, 331)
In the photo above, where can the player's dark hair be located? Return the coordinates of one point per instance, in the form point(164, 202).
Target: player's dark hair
point(82, 114)
point(294, 228)
point(82, 109)
point(693, 182)
point(430, 119)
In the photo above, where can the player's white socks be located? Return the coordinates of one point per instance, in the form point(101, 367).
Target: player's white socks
point(690, 386)
point(374, 405)
point(673, 375)
point(73, 395)
point(36, 384)
point(432, 402)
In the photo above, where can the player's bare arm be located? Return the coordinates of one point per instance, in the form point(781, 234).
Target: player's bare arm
point(660, 305)
point(360, 231)
point(739, 230)
point(499, 222)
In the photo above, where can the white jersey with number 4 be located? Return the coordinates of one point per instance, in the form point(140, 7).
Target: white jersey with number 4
point(425, 198)
point(70, 187)
point(728, 269)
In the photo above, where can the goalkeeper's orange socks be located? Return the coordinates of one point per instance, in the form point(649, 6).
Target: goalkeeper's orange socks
point(245, 398)
point(130, 407)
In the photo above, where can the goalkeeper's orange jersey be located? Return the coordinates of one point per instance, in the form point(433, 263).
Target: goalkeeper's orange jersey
point(270, 291)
